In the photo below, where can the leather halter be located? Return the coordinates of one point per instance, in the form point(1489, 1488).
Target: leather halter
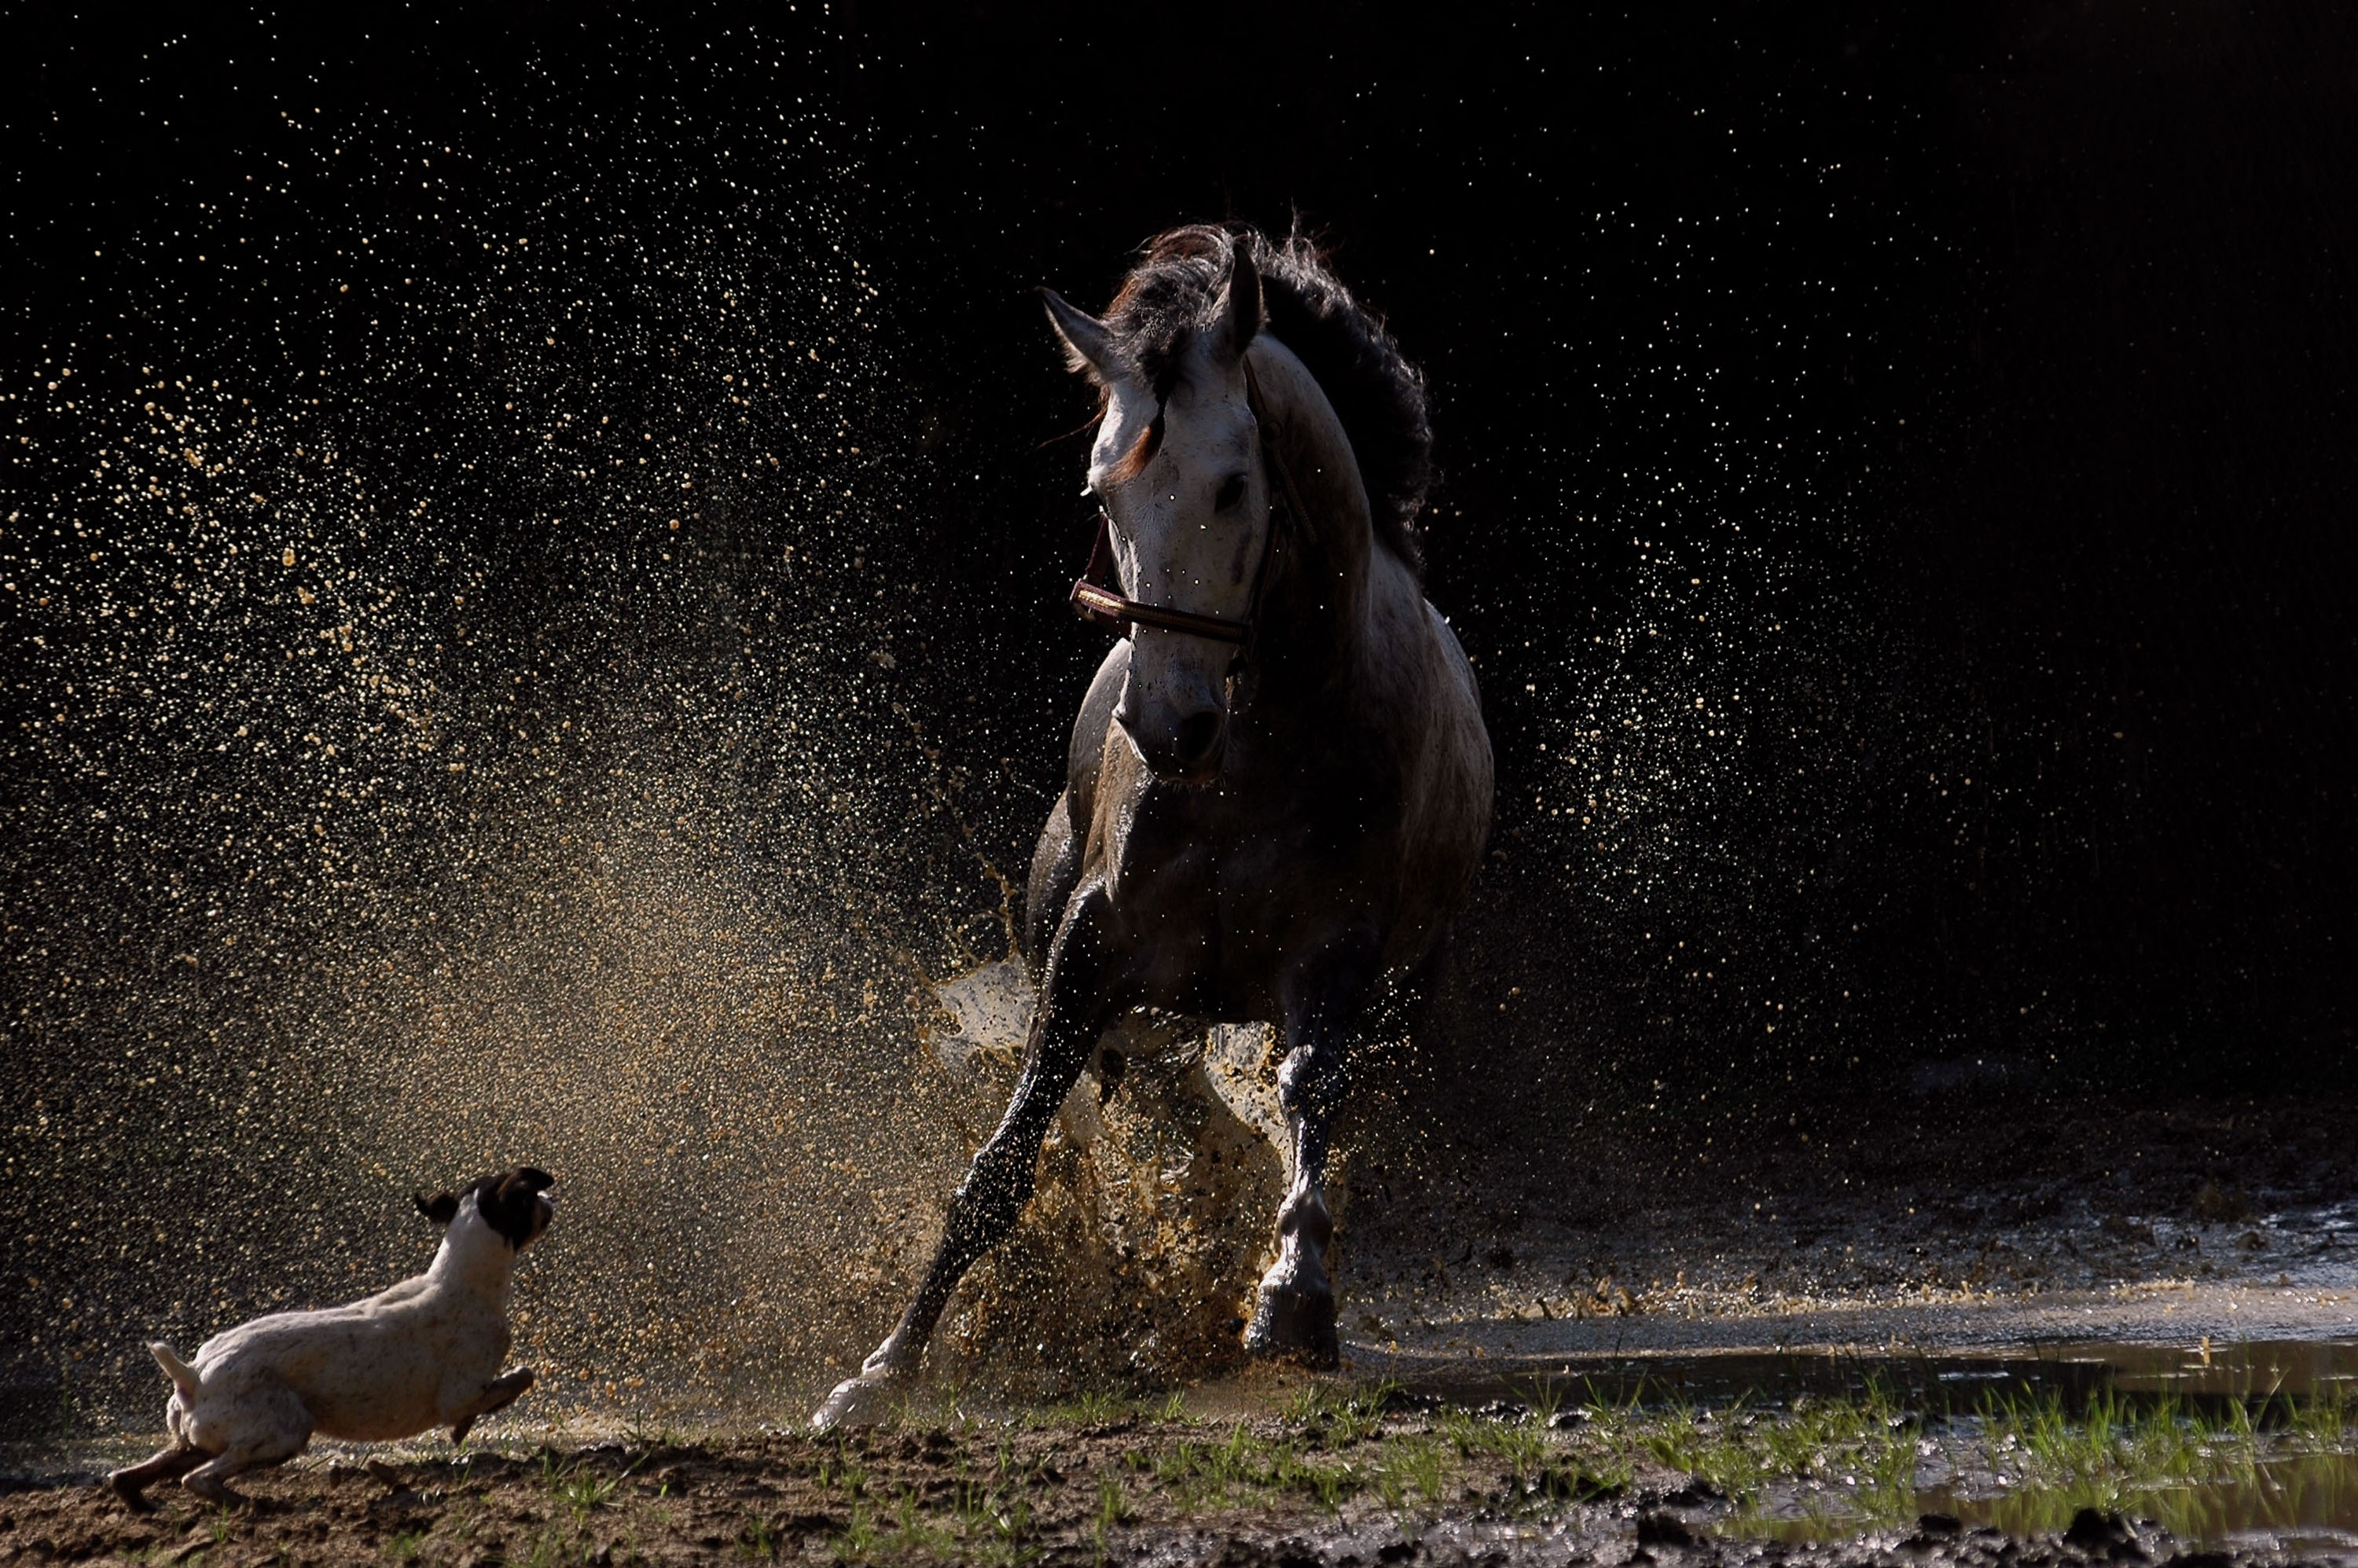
point(1100, 603)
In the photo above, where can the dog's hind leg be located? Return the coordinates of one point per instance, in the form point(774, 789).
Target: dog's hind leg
point(168, 1464)
point(211, 1480)
point(498, 1394)
point(269, 1430)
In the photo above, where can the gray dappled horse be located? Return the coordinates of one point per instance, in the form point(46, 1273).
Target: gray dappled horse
point(1279, 785)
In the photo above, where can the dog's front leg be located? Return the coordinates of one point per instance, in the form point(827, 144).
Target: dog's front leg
point(497, 1395)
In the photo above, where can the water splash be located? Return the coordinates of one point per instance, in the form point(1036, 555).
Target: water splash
point(463, 727)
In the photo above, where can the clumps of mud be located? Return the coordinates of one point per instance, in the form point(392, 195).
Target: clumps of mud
point(1139, 1490)
point(1135, 1263)
point(467, 726)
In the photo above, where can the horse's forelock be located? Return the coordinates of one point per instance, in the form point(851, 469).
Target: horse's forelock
point(1141, 452)
point(1168, 298)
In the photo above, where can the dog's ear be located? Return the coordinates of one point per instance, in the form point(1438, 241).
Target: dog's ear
point(511, 1203)
point(441, 1208)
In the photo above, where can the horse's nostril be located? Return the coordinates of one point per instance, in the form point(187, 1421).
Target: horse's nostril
point(1199, 733)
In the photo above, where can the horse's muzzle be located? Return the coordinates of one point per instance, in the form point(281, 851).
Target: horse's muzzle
point(1186, 752)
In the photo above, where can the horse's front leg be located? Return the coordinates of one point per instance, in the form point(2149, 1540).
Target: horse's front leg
point(1295, 1315)
point(1071, 1013)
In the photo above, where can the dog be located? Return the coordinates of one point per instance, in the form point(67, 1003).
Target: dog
point(426, 1353)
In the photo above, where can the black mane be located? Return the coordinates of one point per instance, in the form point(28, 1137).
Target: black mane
point(1174, 293)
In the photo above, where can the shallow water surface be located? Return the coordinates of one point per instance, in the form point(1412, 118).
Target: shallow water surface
point(2296, 1502)
point(1928, 1378)
point(2245, 1445)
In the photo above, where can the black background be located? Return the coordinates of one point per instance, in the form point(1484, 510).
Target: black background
point(2019, 337)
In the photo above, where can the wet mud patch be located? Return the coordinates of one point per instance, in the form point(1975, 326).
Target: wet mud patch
point(1317, 1472)
point(1134, 1265)
point(1940, 1222)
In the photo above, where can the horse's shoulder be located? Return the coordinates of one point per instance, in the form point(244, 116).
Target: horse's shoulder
point(1087, 747)
point(1453, 651)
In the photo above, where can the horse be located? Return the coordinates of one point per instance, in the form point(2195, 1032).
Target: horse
point(1278, 789)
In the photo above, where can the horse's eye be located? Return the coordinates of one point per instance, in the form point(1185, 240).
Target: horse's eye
point(1232, 491)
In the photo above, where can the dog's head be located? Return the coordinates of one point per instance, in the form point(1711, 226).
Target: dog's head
point(515, 1203)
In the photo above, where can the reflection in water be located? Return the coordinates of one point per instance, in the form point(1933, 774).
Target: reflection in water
point(2306, 1499)
point(2205, 1374)
point(2245, 1444)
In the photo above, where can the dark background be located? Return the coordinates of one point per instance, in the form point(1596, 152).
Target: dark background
point(1896, 488)
point(2022, 334)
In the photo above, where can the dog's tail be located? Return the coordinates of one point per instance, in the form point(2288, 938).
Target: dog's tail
point(184, 1376)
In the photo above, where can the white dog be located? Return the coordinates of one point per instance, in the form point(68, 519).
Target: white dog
point(424, 1354)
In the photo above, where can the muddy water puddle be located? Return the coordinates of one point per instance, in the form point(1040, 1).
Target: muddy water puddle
point(2243, 1370)
point(2251, 1445)
point(2307, 1502)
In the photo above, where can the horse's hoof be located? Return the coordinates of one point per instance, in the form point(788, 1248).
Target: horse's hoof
point(1294, 1324)
point(857, 1402)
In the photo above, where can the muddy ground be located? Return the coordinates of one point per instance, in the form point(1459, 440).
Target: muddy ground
point(1127, 1490)
point(1923, 1226)
point(1947, 1217)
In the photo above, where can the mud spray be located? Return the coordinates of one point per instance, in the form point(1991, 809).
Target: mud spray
point(461, 729)
point(496, 711)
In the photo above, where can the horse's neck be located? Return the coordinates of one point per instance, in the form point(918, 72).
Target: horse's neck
point(1318, 604)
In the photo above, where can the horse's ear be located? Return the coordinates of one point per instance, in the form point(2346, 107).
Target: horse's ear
point(1241, 319)
point(1088, 347)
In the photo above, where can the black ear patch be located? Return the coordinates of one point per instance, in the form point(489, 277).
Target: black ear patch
point(510, 1202)
point(441, 1208)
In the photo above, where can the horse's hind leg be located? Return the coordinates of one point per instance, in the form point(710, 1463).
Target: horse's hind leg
point(1294, 1314)
point(1065, 1028)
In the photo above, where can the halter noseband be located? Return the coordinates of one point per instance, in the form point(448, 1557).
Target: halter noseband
point(1098, 602)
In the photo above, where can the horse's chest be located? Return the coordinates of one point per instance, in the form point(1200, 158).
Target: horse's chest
point(1221, 869)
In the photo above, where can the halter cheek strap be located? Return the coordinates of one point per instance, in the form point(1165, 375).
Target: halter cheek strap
point(1097, 601)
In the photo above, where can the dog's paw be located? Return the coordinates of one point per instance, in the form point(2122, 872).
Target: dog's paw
point(858, 1402)
point(215, 1491)
point(134, 1497)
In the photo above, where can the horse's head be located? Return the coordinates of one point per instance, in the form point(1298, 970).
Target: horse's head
point(1176, 468)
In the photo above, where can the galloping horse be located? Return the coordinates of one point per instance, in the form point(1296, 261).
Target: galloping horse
point(1279, 785)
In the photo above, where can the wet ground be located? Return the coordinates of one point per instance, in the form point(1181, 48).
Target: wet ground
point(1940, 1327)
point(1862, 1282)
point(2079, 1454)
